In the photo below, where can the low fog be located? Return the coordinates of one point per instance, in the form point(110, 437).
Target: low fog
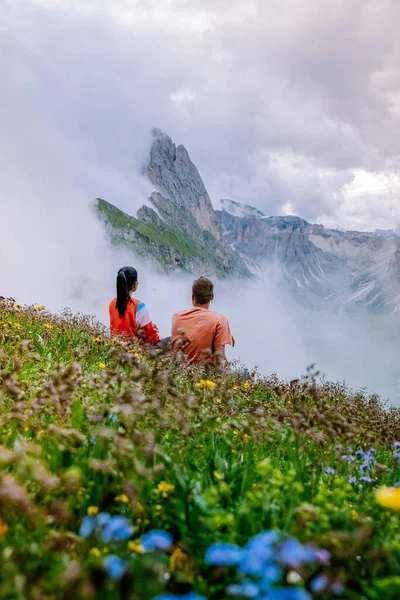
point(265, 122)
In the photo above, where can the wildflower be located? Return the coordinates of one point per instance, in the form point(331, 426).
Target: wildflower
point(292, 553)
point(115, 566)
point(188, 596)
point(158, 507)
point(236, 432)
point(388, 497)
point(18, 306)
point(348, 459)
point(139, 507)
point(319, 584)
point(135, 546)
point(118, 529)
point(97, 340)
point(205, 384)
point(165, 488)
point(224, 554)
point(17, 325)
point(177, 559)
point(122, 498)
point(39, 308)
point(246, 385)
point(352, 479)
point(87, 527)
point(330, 471)
point(247, 589)
point(217, 475)
point(95, 552)
point(156, 540)
point(218, 401)
point(102, 365)
point(218, 419)
point(26, 428)
point(396, 445)
point(48, 326)
point(92, 511)
point(3, 529)
point(367, 480)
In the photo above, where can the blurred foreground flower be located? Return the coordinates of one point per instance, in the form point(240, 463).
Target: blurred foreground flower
point(224, 554)
point(115, 566)
point(39, 308)
point(388, 497)
point(156, 540)
point(188, 596)
point(165, 488)
point(3, 529)
point(205, 384)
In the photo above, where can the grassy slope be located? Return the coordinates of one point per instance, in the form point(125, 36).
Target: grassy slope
point(86, 423)
point(183, 243)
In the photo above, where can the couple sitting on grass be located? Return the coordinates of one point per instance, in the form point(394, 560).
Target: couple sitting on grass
point(200, 333)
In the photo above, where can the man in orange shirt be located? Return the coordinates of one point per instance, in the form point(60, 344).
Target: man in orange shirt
point(200, 332)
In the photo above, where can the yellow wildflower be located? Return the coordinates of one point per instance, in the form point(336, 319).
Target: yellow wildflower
point(26, 428)
point(102, 365)
point(97, 340)
point(218, 401)
point(95, 552)
point(92, 511)
point(3, 529)
point(166, 436)
point(139, 507)
point(205, 384)
point(48, 326)
point(39, 308)
point(18, 306)
point(122, 498)
point(236, 432)
point(245, 436)
point(388, 497)
point(17, 325)
point(134, 546)
point(165, 488)
point(218, 419)
point(217, 475)
point(246, 385)
point(177, 559)
point(158, 507)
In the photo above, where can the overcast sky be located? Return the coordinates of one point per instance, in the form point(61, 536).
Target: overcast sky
point(290, 105)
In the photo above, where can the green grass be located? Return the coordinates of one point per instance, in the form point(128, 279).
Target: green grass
point(182, 242)
point(88, 425)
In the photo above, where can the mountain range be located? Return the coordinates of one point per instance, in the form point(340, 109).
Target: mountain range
point(178, 230)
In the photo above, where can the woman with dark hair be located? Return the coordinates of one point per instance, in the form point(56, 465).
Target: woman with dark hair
point(128, 316)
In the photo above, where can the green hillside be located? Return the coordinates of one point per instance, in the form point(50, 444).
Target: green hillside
point(126, 474)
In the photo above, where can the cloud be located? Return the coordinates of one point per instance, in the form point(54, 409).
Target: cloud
point(242, 86)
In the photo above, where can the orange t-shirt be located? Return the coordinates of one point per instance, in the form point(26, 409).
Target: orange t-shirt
point(135, 321)
point(206, 329)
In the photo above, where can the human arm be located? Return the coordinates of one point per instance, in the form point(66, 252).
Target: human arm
point(147, 331)
point(222, 338)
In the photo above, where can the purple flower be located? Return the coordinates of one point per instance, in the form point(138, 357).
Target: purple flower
point(366, 466)
point(330, 471)
point(115, 566)
point(397, 484)
point(348, 459)
point(224, 554)
point(352, 479)
point(367, 480)
point(156, 540)
point(87, 527)
point(396, 445)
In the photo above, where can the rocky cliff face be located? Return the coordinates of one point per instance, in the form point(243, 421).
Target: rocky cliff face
point(180, 231)
point(347, 268)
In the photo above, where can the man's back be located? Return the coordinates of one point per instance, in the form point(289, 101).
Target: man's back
point(206, 330)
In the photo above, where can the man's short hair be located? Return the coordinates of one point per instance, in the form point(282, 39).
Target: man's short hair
point(203, 290)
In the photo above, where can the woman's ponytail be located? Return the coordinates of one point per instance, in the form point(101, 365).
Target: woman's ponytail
point(126, 279)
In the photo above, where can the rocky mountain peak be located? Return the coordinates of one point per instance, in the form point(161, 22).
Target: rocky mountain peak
point(172, 172)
